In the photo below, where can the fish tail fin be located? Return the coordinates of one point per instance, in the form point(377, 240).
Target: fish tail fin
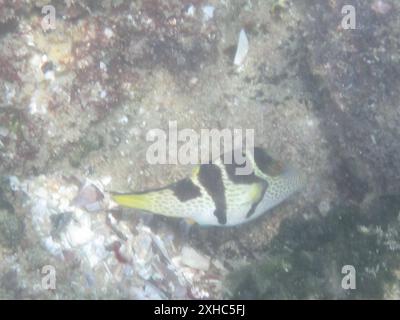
point(143, 201)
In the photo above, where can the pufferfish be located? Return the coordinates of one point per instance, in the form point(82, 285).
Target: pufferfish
point(215, 194)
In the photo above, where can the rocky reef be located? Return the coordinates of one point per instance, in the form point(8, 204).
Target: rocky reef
point(305, 259)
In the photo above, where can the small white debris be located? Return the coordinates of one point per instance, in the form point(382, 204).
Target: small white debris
point(324, 206)
point(79, 233)
point(191, 10)
point(53, 247)
point(208, 12)
point(105, 181)
point(14, 183)
point(103, 66)
point(36, 105)
point(363, 229)
point(103, 94)
point(193, 259)
point(123, 120)
point(50, 75)
point(193, 81)
point(9, 93)
point(108, 33)
point(29, 40)
point(41, 193)
point(310, 123)
point(242, 48)
point(4, 132)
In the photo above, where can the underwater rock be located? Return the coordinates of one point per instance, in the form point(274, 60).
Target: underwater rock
point(305, 259)
point(84, 147)
point(352, 80)
point(11, 227)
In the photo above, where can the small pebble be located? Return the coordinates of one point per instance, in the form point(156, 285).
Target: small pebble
point(108, 33)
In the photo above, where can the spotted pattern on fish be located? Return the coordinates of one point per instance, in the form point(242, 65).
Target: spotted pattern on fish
point(216, 195)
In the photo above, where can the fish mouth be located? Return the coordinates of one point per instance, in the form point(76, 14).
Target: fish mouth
point(295, 179)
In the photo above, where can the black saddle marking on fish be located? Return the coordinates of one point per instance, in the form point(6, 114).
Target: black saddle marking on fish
point(255, 204)
point(266, 163)
point(232, 167)
point(210, 177)
point(185, 190)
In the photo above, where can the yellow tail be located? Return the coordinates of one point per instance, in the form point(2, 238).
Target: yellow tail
point(159, 201)
point(134, 200)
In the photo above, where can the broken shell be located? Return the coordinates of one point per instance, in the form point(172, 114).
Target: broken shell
point(89, 197)
point(78, 232)
point(208, 12)
point(242, 48)
point(144, 264)
point(143, 255)
point(195, 260)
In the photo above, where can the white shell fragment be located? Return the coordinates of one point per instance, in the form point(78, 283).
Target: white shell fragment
point(89, 197)
point(193, 259)
point(191, 10)
point(208, 12)
point(242, 48)
point(112, 253)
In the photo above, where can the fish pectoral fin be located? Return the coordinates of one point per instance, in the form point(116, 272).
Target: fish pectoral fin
point(257, 192)
point(195, 171)
point(190, 221)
